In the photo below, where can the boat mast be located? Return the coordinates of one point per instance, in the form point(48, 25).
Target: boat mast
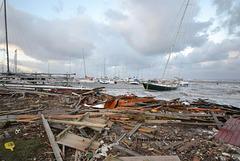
point(15, 61)
point(104, 69)
point(175, 39)
point(5, 17)
point(84, 63)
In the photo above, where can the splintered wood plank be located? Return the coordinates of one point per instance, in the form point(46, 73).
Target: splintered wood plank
point(79, 123)
point(95, 120)
point(192, 143)
point(161, 121)
point(54, 145)
point(174, 145)
point(215, 119)
point(152, 158)
point(66, 130)
point(78, 142)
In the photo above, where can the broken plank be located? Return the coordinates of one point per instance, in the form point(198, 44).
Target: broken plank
point(140, 130)
point(142, 127)
point(91, 141)
point(89, 124)
point(215, 119)
point(51, 138)
point(134, 130)
point(151, 158)
point(126, 150)
point(174, 145)
point(188, 145)
point(148, 135)
point(169, 116)
point(201, 115)
point(50, 116)
point(160, 121)
point(197, 123)
point(60, 135)
point(78, 142)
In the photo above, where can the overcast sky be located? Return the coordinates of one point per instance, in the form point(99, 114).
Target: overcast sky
point(134, 37)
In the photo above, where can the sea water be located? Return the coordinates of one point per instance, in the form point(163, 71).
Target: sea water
point(221, 92)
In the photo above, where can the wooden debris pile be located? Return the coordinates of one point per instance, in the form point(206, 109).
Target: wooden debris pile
point(74, 124)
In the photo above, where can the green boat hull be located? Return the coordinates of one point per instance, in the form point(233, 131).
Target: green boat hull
point(156, 87)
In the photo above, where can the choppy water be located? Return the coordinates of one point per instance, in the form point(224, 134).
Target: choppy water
point(222, 92)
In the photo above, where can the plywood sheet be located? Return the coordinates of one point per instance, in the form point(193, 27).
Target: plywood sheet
point(77, 142)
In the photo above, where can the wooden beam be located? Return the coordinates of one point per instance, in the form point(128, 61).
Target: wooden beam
point(192, 143)
point(51, 138)
point(151, 158)
point(134, 130)
point(126, 150)
point(140, 130)
point(79, 123)
point(160, 121)
point(216, 120)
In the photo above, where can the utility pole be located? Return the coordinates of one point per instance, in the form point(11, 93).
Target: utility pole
point(5, 13)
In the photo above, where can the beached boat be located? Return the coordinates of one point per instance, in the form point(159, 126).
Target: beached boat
point(160, 86)
point(166, 85)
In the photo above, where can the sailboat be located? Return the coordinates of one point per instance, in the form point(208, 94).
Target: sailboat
point(86, 79)
point(104, 80)
point(163, 84)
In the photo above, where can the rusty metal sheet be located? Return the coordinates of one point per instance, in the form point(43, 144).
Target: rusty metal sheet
point(230, 133)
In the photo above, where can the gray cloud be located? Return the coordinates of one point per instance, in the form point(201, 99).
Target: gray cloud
point(147, 26)
point(51, 39)
point(81, 10)
point(228, 13)
point(115, 16)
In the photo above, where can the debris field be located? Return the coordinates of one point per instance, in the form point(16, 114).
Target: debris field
point(91, 125)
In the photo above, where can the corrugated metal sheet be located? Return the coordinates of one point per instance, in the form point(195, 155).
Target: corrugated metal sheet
point(230, 133)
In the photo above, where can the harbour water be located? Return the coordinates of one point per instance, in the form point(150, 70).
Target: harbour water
point(222, 92)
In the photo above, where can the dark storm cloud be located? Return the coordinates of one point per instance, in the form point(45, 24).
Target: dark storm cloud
point(223, 5)
point(212, 61)
point(229, 12)
point(147, 27)
point(211, 52)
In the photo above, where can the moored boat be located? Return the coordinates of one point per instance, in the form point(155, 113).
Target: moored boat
point(135, 81)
